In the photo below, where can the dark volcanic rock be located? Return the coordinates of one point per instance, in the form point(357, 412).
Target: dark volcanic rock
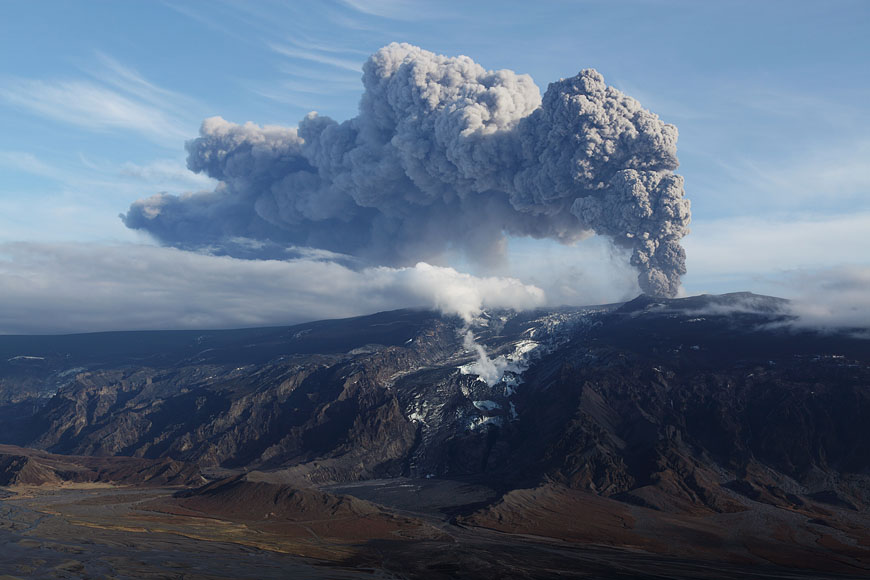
point(681, 405)
point(291, 409)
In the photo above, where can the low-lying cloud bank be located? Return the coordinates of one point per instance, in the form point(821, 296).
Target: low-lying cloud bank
point(833, 298)
point(52, 288)
point(827, 299)
point(55, 288)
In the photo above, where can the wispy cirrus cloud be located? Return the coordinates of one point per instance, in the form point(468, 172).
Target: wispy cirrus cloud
point(89, 173)
point(304, 76)
point(318, 56)
point(829, 172)
point(305, 44)
point(92, 107)
point(112, 97)
point(842, 109)
point(211, 18)
point(393, 9)
point(128, 80)
point(25, 162)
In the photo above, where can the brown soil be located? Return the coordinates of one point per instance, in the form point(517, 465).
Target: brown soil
point(292, 511)
point(764, 535)
point(22, 466)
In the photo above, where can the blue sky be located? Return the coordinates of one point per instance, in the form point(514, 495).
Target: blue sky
point(770, 98)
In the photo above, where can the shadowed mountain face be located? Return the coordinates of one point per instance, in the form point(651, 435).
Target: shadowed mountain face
point(655, 401)
point(707, 406)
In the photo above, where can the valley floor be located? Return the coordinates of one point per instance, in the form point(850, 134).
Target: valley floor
point(100, 531)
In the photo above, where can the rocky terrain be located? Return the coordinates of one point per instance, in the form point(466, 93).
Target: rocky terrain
point(706, 428)
point(19, 466)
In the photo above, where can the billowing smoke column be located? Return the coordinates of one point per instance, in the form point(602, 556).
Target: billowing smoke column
point(443, 155)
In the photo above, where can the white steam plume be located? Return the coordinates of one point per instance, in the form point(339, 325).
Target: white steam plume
point(489, 370)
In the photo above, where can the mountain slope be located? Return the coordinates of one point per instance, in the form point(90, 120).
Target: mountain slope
point(20, 466)
point(704, 429)
point(684, 404)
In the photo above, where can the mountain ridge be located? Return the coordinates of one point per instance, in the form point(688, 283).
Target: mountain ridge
point(701, 407)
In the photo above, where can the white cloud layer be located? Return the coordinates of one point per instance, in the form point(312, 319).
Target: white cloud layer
point(833, 298)
point(818, 262)
point(50, 288)
point(747, 246)
point(81, 287)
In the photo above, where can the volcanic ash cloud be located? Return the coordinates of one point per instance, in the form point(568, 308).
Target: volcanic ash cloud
point(444, 155)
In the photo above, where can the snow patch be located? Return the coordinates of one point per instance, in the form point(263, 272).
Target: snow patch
point(486, 405)
point(72, 371)
point(477, 422)
point(493, 370)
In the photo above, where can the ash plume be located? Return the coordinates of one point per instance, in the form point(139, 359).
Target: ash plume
point(443, 155)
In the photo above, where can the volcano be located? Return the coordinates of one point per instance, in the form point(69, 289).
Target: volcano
point(707, 431)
